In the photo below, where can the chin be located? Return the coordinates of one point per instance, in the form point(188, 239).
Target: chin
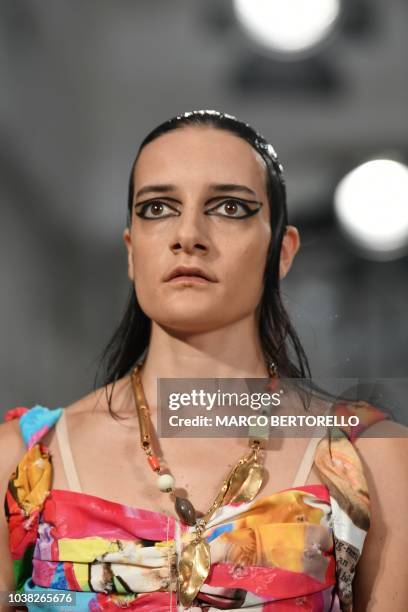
point(189, 322)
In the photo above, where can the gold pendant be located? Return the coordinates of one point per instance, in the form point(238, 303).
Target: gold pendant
point(242, 484)
point(193, 569)
point(245, 482)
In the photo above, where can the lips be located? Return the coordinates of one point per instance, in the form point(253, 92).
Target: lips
point(186, 271)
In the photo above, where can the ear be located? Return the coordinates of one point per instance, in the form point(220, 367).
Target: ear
point(128, 243)
point(290, 246)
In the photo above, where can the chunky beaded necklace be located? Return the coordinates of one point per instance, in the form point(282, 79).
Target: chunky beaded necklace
point(241, 485)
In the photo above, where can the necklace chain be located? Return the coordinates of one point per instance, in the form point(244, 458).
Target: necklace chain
point(242, 484)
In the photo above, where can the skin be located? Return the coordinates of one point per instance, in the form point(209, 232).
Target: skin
point(207, 330)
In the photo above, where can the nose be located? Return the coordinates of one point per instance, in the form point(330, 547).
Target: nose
point(190, 233)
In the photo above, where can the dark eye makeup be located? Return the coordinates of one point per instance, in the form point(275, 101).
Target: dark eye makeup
point(241, 209)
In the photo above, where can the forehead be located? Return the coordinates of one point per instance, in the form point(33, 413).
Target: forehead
point(200, 154)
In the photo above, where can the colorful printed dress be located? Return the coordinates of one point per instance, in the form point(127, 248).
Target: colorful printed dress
point(293, 550)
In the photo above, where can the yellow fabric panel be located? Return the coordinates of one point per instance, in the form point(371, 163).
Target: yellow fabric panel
point(33, 479)
point(281, 546)
point(85, 550)
point(277, 545)
point(81, 575)
point(283, 507)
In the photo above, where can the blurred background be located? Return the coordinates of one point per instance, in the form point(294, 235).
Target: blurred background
point(84, 81)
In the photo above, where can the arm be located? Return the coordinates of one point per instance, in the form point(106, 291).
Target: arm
point(381, 577)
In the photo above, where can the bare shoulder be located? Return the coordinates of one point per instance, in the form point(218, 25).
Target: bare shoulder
point(385, 429)
point(11, 444)
point(97, 403)
point(383, 442)
point(383, 449)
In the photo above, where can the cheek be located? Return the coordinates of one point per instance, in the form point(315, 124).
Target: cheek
point(147, 265)
point(147, 250)
point(250, 249)
point(246, 263)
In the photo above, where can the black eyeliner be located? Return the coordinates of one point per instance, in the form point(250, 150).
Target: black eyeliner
point(249, 212)
point(142, 206)
point(159, 199)
point(224, 198)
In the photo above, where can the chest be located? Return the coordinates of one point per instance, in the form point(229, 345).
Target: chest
point(111, 464)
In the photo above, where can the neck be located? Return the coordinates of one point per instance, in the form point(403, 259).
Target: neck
point(233, 351)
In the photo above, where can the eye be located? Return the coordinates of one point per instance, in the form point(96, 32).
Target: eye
point(236, 209)
point(154, 210)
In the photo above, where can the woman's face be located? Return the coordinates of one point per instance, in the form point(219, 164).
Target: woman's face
point(199, 201)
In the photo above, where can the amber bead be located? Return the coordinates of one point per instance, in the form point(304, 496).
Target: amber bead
point(185, 510)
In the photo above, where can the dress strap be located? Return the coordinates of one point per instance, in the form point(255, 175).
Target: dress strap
point(308, 458)
point(66, 454)
point(306, 463)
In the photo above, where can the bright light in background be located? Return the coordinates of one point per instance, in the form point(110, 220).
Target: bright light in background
point(371, 204)
point(287, 26)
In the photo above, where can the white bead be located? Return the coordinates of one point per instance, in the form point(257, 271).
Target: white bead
point(165, 482)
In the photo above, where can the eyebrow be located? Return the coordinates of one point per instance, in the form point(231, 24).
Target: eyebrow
point(232, 187)
point(155, 189)
point(224, 187)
